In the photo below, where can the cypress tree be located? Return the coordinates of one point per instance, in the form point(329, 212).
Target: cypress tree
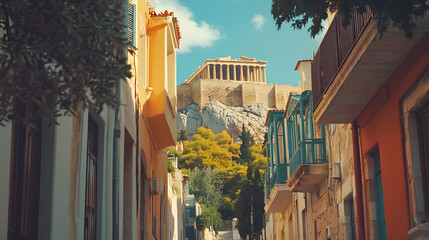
point(246, 142)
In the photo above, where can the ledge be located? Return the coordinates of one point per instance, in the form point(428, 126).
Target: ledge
point(307, 177)
point(279, 199)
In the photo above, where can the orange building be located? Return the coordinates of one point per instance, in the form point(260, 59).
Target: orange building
point(100, 175)
point(382, 87)
point(153, 58)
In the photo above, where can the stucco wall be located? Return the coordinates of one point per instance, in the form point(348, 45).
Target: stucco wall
point(381, 126)
point(233, 93)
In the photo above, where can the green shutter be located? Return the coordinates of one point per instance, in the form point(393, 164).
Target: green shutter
point(131, 25)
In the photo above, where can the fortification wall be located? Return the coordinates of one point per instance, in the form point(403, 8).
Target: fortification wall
point(233, 93)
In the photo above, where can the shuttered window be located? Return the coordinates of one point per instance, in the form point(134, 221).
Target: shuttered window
point(91, 181)
point(131, 18)
point(24, 182)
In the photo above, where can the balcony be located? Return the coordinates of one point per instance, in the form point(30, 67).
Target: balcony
point(308, 165)
point(277, 193)
point(352, 63)
point(161, 105)
point(307, 154)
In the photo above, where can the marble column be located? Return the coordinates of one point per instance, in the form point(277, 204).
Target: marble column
point(227, 72)
point(258, 74)
point(214, 71)
point(220, 71)
point(241, 73)
point(264, 76)
point(234, 72)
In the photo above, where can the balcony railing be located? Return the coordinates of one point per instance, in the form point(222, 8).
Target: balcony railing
point(309, 151)
point(334, 50)
point(278, 176)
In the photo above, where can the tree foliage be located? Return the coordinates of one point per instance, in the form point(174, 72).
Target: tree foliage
point(210, 216)
point(400, 13)
point(246, 142)
point(55, 55)
point(218, 151)
point(209, 150)
point(205, 184)
point(252, 192)
point(181, 135)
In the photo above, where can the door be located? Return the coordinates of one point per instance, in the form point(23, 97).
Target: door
point(381, 220)
point(24, 182)
point(91, 181)
point(143, 198)
point(423, 123)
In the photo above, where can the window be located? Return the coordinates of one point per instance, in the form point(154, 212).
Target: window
point(381, 220)
point(415, 115)
point(91, 180)
point(131, 25)
point(304, 225)
point(423, 125)
point(351, 224)
point(24, 182)
point(143, 196)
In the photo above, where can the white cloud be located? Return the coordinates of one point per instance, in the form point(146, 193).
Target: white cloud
point(194, 34)
point(258, 21)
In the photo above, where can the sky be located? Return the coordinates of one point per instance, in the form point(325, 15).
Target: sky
point(218, 28)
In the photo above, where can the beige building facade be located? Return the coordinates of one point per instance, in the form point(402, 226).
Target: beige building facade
point(312, 200)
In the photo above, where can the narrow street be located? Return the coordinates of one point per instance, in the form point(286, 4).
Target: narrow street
point(214, 120)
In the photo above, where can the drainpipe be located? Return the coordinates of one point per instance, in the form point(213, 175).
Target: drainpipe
point(116, 157)
point(358, 182)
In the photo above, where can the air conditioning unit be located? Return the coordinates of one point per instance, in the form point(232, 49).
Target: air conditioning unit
point(336, 171)
point(155, 186)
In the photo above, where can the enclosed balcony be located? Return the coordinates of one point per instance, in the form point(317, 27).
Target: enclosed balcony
point(352, 63)
point(164, 39)
point(307, 154)
point(277, 193)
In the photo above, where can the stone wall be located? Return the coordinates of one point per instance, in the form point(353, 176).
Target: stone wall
point(233, 93)
point(328, 205)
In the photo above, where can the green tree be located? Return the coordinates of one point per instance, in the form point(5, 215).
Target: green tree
point(246, 142)
point(205, 184)
point(181, 135)
point(55, 55)
point(243, 210)
point(252, 194)
point(209, 217)
point(209, 150)
point(401, 13)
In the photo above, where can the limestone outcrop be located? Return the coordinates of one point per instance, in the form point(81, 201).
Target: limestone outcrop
point(219, 117)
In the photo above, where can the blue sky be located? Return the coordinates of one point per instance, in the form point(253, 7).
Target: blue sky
point(220, 28)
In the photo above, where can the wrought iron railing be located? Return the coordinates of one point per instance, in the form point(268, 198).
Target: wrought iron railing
point(309, 151)
point(334, 49)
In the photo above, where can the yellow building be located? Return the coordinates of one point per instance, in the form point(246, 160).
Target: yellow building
point(153, 42)
point(100, 175)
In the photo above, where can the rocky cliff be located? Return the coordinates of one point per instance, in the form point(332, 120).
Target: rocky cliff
point(219, 117)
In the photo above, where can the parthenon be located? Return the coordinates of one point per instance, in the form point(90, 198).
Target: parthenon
point(244, 69)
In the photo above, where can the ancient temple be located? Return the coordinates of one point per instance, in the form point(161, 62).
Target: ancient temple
point(244, 69)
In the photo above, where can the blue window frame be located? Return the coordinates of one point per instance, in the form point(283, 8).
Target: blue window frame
point(381, 220)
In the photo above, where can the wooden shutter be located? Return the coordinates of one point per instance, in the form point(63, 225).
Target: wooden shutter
point(131, 25)
point(24, 183)
point(91, 181)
